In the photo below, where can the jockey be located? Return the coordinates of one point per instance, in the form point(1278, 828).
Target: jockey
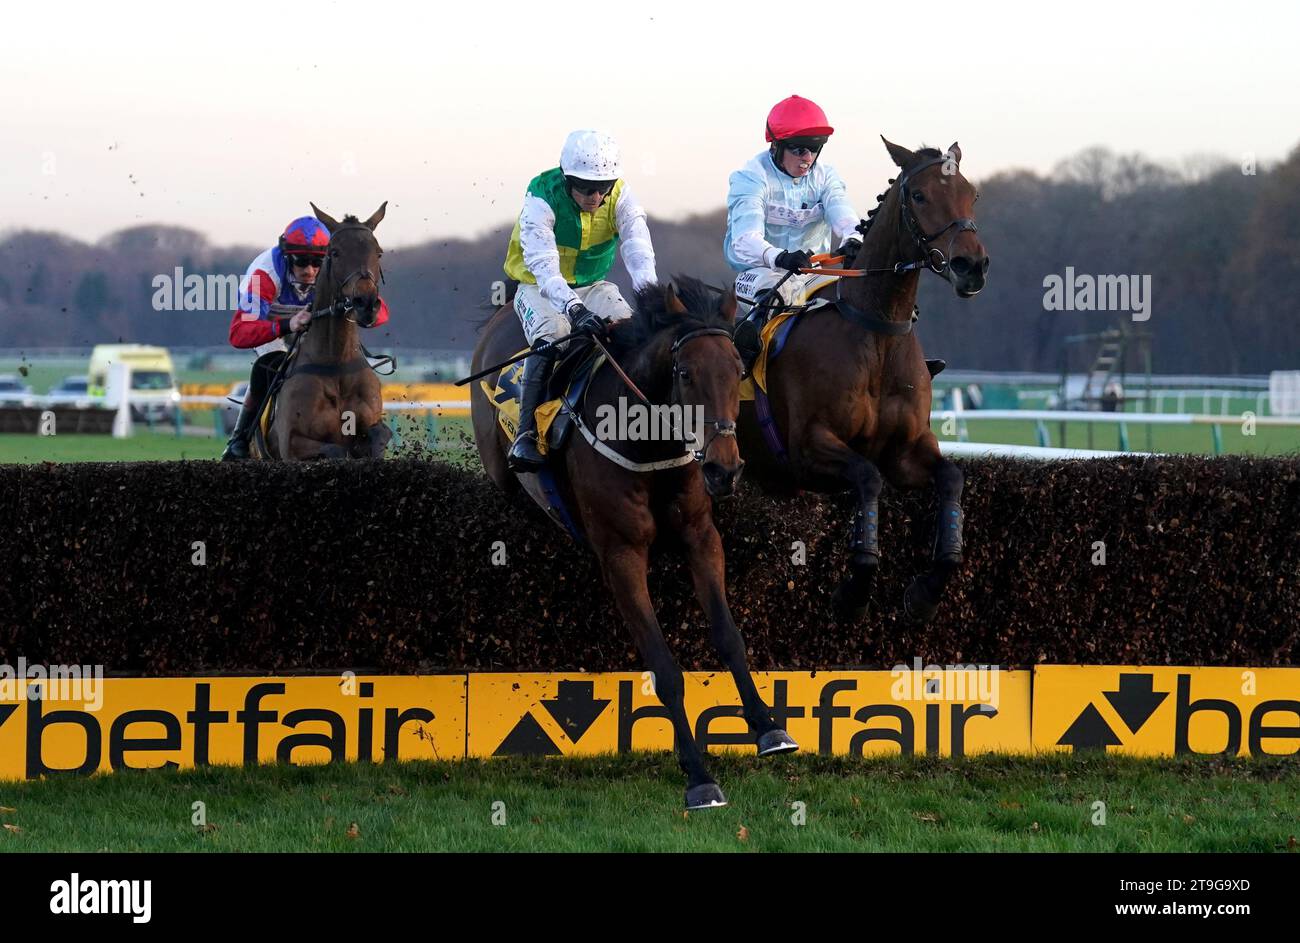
point(783, 207)
point(561, 250)
point(284, 274)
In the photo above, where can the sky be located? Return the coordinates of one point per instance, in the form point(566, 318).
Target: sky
point(229, 118)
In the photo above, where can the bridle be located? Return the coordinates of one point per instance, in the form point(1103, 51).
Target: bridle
point(935, 259)
point(342, 305)
point(721, 427)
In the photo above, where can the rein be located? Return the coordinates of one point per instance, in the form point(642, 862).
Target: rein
point(933, 258)
point(340, 305)
point(721, 427)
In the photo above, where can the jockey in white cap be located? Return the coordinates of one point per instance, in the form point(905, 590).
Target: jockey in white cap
point(575, 217)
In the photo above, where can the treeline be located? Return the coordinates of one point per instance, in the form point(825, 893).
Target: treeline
point(1221, 247)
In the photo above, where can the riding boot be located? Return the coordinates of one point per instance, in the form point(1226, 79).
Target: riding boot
point(255, 395)
point(748, 336)
point(237, 445)
point(524, 455)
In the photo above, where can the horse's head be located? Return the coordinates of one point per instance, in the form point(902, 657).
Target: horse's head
point(937, 210)
point(691, 331)
point(352, 272)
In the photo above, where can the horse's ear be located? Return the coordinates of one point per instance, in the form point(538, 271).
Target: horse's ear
point(330, 222)
point(673, 303)
point(728, 307)
point(374, 219)
point(955, 151)
point(899, 154)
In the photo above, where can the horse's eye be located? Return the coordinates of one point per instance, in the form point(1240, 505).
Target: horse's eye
point(334, 253)
point(684, 376)
point(918, 197)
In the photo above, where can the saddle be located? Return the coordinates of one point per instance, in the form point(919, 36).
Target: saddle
point(778, 329)
point(267, 415)
point(568, 385)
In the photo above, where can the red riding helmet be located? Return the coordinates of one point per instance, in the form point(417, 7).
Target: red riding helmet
point(797, 117)
point(306, 235)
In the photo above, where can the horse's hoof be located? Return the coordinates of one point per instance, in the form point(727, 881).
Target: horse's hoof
point(705, 796)
point(776, 741)
point(847, 611)
point(917, 602)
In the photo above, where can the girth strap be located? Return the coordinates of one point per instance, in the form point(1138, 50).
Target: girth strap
point(871, 322)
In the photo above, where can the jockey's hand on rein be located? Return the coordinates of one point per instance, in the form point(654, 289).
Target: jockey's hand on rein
point(793, 261)
point(850, 251)
point(586, 321)
point(299, 320)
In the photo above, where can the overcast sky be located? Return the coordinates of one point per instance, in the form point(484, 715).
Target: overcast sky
point(229, 119)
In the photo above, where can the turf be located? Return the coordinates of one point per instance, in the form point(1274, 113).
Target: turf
point(634, 803)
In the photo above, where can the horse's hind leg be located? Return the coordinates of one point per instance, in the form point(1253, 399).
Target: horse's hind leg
point(704, 556)
point(625, 570)
point(919, 465)
point(824, 454)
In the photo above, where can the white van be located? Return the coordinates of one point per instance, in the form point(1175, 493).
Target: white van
point(154, 394)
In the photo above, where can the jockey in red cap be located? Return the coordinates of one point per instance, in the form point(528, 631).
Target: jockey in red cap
point(783, 207)
point(284, 274)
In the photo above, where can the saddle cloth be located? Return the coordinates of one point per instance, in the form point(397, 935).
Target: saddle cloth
point(777, 331)
point(570, 380)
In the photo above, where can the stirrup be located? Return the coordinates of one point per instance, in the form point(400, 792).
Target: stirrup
point(524, 455)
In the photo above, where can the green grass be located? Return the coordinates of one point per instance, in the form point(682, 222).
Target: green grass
point(454, 437)
point(143, 446)
point(633, 803)
point(1267, 440)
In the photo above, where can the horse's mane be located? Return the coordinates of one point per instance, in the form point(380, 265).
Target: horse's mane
point(920, 154)
point(350, 219)
point(651, 315)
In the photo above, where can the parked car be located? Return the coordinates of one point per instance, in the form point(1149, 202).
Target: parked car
point(73, 391)
point(14, 392)
point(229, 410)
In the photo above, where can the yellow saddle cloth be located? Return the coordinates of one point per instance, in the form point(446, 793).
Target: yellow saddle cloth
point(758, 376)
point(505, 393)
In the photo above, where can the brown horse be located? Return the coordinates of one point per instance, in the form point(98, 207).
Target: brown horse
point(848, 398)
point(329, 403)
point(678, 351)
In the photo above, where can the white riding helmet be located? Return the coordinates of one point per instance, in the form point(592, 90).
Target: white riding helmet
point(591, 155)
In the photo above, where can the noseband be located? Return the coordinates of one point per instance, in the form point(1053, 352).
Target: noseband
point(342, 305)
point(935, 258)
point(721, 427)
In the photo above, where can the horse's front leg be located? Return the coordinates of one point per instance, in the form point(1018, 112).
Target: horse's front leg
point(822, 453)
point(919, 465)
point(705, 558)
point(625, 564)
point(305, 448)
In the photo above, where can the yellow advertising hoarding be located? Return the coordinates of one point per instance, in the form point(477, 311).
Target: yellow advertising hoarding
point(141, 723)
point(1167, 711)
point(152, 722)
point(863, 713)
